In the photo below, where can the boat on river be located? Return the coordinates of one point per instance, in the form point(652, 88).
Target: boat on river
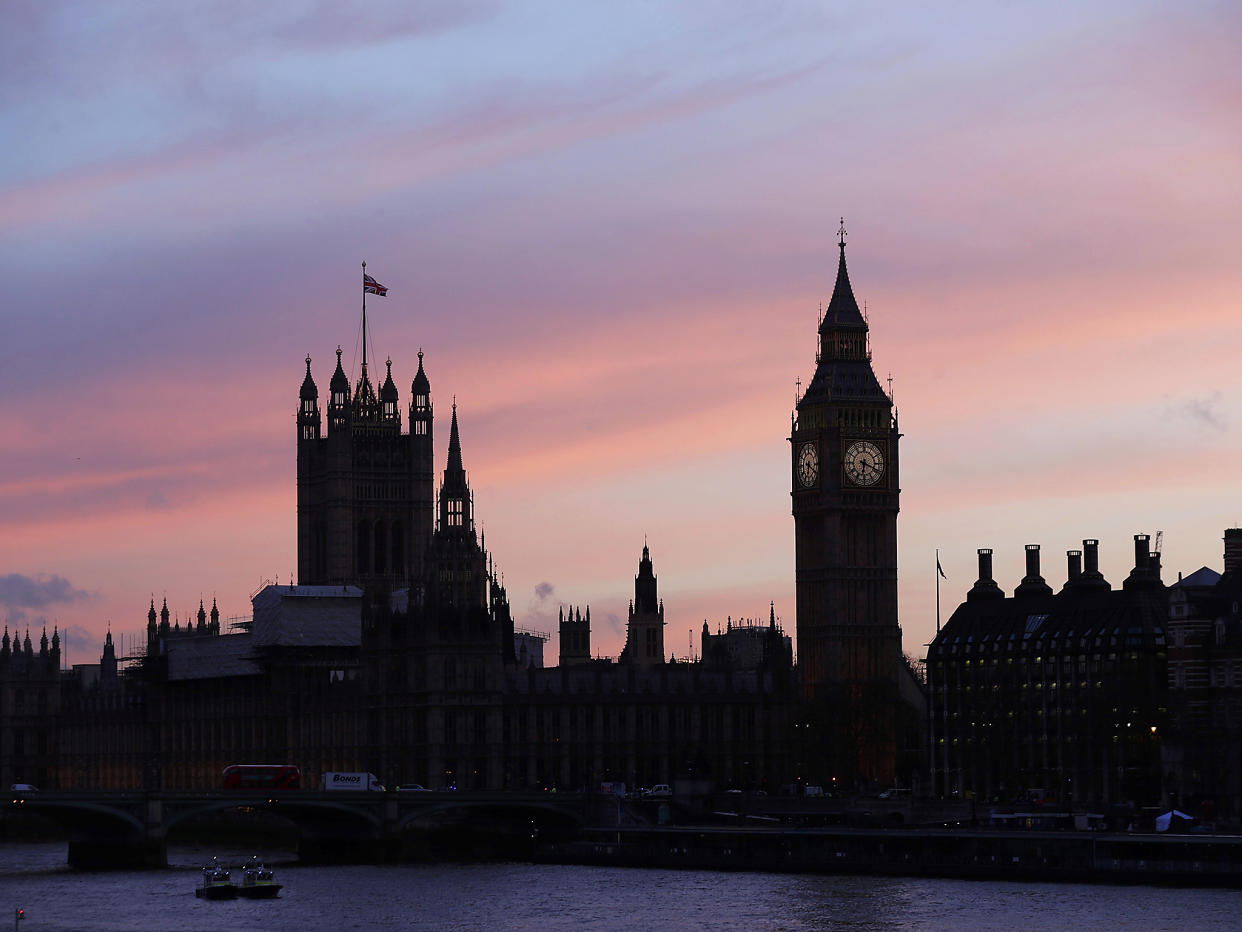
point(216, 883)
point(258, 882)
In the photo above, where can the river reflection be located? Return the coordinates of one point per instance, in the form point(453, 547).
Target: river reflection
point(524, 896)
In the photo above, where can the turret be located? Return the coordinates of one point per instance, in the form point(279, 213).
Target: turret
point(308, 407)
point(422, 461)
point(338, 399)
point(644, 634)
point(164, 627)
point(455, 504)
point(215, 617)
point(456, 566)
point(201, 628)
point(107, 661)
point(389, 413)
point(420, 401)
point(575, 638)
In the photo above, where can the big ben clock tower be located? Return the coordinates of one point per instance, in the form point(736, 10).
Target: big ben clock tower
point(845, 494)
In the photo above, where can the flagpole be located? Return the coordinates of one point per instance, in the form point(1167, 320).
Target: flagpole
point(937, 590)
point(364, 316)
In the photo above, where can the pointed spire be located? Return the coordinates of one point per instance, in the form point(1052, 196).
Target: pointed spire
point(388, 392)
point(340, 381)
point(420, 385)
point(309, 391)
point(843, 308)
point(454, 448)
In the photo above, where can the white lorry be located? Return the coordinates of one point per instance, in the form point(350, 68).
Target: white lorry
point(350, 781)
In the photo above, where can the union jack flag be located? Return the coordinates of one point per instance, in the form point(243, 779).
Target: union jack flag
point(371, 286)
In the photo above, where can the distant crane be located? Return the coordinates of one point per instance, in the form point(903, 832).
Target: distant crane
point(1159, 542)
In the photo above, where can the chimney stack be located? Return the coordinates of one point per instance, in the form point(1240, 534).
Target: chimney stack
point(1091, 577)
point(1074, 573)
point(1142, 576)
point(985, 587)
point(1032, 583)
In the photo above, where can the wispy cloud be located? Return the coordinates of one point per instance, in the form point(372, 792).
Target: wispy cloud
point(21, 594)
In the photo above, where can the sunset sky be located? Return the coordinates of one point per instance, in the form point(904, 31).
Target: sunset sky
point(610, 228)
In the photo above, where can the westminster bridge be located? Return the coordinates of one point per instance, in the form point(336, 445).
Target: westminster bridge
point(115, 829)
point(131, 829)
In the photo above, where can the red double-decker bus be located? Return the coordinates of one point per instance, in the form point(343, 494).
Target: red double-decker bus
point(262, 777)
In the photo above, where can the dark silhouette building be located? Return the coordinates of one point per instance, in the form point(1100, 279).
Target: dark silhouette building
point(1202, 748)
point(644, 633)
point(1053, 696)
point(844, 476)
point(395, 652)
point(364, 487)
point(29, 696)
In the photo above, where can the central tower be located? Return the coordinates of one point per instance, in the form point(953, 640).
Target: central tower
point(845, 492)
point(365, 488)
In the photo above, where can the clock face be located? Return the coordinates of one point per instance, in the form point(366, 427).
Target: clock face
point(864, 463)
point(808, 465)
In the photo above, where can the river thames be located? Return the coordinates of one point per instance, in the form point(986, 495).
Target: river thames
point(525, 896)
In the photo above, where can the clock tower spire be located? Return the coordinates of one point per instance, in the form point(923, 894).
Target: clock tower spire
point(845, 498)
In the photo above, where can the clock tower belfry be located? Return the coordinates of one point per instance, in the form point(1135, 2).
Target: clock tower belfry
point(845, 497)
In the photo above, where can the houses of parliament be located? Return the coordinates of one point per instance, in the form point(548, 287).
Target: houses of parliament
point(396, 650)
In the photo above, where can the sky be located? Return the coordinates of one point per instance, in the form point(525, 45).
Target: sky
point(610, 228)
